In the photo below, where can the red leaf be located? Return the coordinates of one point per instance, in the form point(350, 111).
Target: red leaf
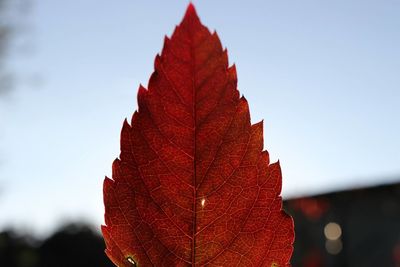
point(192, 186)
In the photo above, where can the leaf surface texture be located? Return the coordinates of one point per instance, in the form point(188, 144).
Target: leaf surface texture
point(192, 185)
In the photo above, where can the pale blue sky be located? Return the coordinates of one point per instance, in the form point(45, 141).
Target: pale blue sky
point(324, 76)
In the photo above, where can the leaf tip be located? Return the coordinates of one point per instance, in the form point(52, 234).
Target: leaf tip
point(191, 13)
point(232, 73)
point(190, 9)
point(126, 123)
point(142, 92)
point(259, 124)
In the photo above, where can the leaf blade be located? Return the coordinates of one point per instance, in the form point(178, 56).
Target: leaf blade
point(192, 181)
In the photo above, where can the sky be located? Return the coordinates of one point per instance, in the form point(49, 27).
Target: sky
point(324, 76)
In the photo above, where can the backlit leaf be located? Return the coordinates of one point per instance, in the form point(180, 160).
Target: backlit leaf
point(192, 185)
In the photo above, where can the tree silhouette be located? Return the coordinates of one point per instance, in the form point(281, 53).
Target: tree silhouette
point(74, 245)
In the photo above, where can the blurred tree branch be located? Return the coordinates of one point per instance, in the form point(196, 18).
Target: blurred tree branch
point(5, 35)
point(13, 15)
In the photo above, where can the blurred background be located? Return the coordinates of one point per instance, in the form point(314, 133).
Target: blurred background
point(324, 76)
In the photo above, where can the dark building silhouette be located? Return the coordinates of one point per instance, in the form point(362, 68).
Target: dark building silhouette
point(354, 228)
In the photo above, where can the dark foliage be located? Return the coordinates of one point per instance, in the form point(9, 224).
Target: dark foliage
point(72, 246)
